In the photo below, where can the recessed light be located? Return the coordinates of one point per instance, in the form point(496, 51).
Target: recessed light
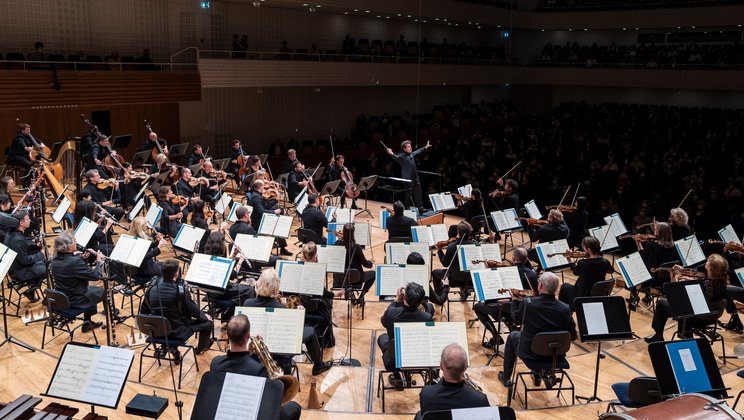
point(387, 17)
point(444, 20)
point(408, 15)
point(585, 29)
point(542, 30)
point(739, 26)
point(378, 16)
point(423, 21)
point(437, 19)
point(346, 13)
point(498, 26)
point(356, 10)
point(636, 29)
point(415, 20)
point(625, 29)
point(470, 23)
point(692, 27)
point(366, 11)
point(570, 30)
point(399, 14)
point(318, 6)
point(679, 27)
point(304, 4)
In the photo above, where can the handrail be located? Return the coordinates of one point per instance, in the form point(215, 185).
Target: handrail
point(26, 65)
point(177, 53)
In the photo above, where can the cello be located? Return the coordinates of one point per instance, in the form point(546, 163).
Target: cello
point(350, 188)
point(113, 162)
point(158, 149)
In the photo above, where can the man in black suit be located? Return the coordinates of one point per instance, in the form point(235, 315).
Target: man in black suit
point(508, 198)
point(18, 152)
point(297, 180)
point(451, 392)
point(288, 165)
point(449, 258)
point(71, 276)
point(314, 219)
point(260, 206)
point(29, 266)
point(398, 224)
point(405, 308)
point(406, 160)
point(169, 298)
point(103, 197)
point(555, 229)
point(243, 224)
point(239, 360)
point(544, 313)
point(485, 312)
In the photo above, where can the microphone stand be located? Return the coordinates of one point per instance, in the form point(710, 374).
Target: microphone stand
point(349, 309)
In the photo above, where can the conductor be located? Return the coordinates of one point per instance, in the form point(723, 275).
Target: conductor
point(406, 160)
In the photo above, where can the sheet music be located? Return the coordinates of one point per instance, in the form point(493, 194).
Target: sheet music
point(302, 278)
point(740, 275)
point(223, 203)
point(361, 234)
point(91, 374)
point(439, 232)
point(398, 252)
point(594, 315)
point(257, 248)
point(471, 252)
point(488, 282)
point(697, 299)
point(136, 209)
point(240, 397)
point(465, 190)
point(728, 234)
point(618, 227)
point(275, 225)
point(478, 413)
point(130, 250)
point(343, 216)
point(553, 247)
point(85, 231)
point(633, 269)
point(209, 271)
point(442, 202)
point(422, 234)
point(280, 328)
point(7, 256)
point(61, 210)
point(231, 217)
point(188, 236)
point(420, 344)
point(391, 277)
point(689, 251)
point(153, 215)
point(301, 202)
point(333, 256)
point(505, 220)
point(533, 210)
point(606, 238)
point(300, 197)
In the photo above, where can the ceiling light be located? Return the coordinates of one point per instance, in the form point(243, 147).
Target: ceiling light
point(679, 27)
point(318, 6)
point(399, 15)
point(408, 15)
point(304, 4)
point(356, 10)
point(625, 29)
point(636, 29)
point(378, 16)
point(346, 13)
point(570, 30)
point(542, 30)
point(444, 20)
point(437, 19)
point(585, 29)
point(423, 21)
point(692, 27)
point(366, 11)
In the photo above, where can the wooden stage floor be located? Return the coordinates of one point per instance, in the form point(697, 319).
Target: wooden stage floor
point(350, 392)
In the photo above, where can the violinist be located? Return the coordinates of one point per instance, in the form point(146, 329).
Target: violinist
point(335, 171)
point(211, 190)
point(472, 206)
point(133, 182)
point(170, 220)
point(297, 180)
point(714, 287)
point(150, 267)
point(260, 206)
point(398, 224)
point(457, 277)
point(7, 186)
point(485, 312)
point(577, 222)
point(197, 156)
point(159, 166)
point(104, 193)
point(101, 239)
point(589, 271)
point(508, 198)
point(678, 221)
point(438, 290)
point(314, 219)
point(356, 260)
point(655, 254)
point(555, 229)
point(198, 218)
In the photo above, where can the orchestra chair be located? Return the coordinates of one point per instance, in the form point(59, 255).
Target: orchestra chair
point(304, 236)
point(706, 326)
point(351, 282)
point(554, 344)
point(61, 315)
point(741, 375)
point(505, 413)
point(401, 239)
point(443, 308)
point(478, 223)
point(504, 308)
point(427, 375)
point(157, 329)
point(602, 288)
point(322, 331)
point(17, 286)
point(657, 291)
point(639, 392)
point(131, 288)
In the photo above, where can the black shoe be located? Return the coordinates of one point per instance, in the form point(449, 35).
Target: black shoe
point(654, 338)
point(176, 355)
point(159, 352)
point(464, 294)
point(396, 381)
point(504, 380)
point(31, 296)
point(321, 367)
point(286, 252)
point(88, 326)
point(536, 379)
point(491, 343)
point(202, 350)
point(354, 206)
point(735, 324)
point(647, 300)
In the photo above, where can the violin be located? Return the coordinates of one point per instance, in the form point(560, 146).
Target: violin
point(179, 200)
point(493, 263)
point(389, 210)
point(130, 175)
point(533, 222)
point(517, 293)
point(350, 188)
point(686, 273)
point(643, 237)
point(562, 208)
point(500, 193)
point(107, 183)
point(461, 197)
point(208, 212)
point(443, 244)
point(729, 246)
point(194, 182)
point(570, 254)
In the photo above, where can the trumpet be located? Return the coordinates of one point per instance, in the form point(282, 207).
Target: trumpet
point(493, 263)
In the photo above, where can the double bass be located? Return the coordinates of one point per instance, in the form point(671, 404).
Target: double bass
point(113, 163)
point(158, 149)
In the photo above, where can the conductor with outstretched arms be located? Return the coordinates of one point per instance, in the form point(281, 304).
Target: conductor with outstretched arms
point(406, 160)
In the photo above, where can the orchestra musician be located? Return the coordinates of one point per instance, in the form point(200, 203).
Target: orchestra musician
point(656, 253)
point(106, 197)
point(262, 205)
point(486, 312)
point(589, 271)
point(335, 169)
point(405, 308)
point(233, 167)
point(267, 293)
point(150, 143)
point(7, 186)
point(406, 159)
point(542, 314)
point(314, 219)
point(19, 152)
point(714, 287)
point(472, 206)
point(243, 225)
point(356, 260)
point(150, 267)
point(678, 222)
point(451, 392)
point(289, 164)
point(102, 237)
point(322, 317)
point(234, 292)
point(297, 180)
point(29, 265)
point(72, 277)
point(239, 360)
point(169, 298)
point(555, 229)
point(197, 218)
point(449, 258)
point(87, 140)
point(171, 219)
point(97, 153)
point(508, 198)
point(197, 155)
point(577, 222)
point(438, 290)
point(159, 166)
point(211, 191)
point(398, 224)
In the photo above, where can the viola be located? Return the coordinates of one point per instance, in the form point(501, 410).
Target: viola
point(729, 246)
point(443, 244)
point(107, 183)
point(643, 237)
point(681, 271)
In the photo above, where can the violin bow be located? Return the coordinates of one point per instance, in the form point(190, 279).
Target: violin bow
point(683, 200)
point(509, 171)
point(564, 196)
point(573, 202)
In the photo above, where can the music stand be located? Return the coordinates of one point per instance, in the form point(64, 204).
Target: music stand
point(601, 318)
point(210, 390)
point(159, 181)
point(682, 305)
point(685, 366)
point(7, 338)
point(178, 151)
point(2, 169)
point(195, 168)
point(263, 158)
point(365, 184)
point(121, 142)
point(330, 188)
point(220, 164)
point(140, 158)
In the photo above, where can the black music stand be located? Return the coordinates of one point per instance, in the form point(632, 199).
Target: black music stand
point(365, 184)
point(178, 151)
point(263, 158)
point(697, 373)
point(121, 142)
point(7, 337)
point(159, 181)
point(140, 158)
point(616, 326)
point(220, 164)
point(210, 389)
point(330, 188)
point(679, 300)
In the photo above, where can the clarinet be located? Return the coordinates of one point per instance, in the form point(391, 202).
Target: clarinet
point(111, 304)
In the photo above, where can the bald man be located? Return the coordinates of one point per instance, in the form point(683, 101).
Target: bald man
point(544, 313)
point(451, 391)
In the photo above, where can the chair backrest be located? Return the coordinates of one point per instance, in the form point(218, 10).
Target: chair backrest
point(401, 239)
point(551, 343)
point(56, 300)
point(306, 235)
point(351, 277)
point(644, 390)
point(478, 223)
point(603, 288)
point(153, 325)
point(505, 413)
